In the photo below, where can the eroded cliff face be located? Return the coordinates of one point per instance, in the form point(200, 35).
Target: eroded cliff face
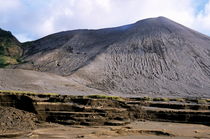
point(105, 110)
point(73, 110)
point(155, 57)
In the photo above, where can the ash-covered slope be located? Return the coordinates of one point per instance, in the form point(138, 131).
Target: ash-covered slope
point(154, 56)
point(64, 53)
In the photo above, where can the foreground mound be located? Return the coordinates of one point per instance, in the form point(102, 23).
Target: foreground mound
point(12, 119)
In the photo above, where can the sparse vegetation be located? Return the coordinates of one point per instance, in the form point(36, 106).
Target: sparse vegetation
point(178, 99)
point(106, 97)
point(161, 99)
point(202, 101)
point(5, 60)
point(25, 92)
point(10, 49)
point(147, 99)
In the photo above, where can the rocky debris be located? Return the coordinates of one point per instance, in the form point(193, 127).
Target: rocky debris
point(12, 119)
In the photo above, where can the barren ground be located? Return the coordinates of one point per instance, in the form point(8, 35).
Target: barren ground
point(136, 130)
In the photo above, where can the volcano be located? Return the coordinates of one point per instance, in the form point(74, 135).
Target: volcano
point(153, 57)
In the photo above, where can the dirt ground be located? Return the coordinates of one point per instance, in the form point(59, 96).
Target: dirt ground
point(135, 130)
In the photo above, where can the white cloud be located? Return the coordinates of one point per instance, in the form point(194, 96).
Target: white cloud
point(38, 18)
point(5, 5)
point(203, 20)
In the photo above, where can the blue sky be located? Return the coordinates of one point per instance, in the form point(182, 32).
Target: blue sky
point(33, 19)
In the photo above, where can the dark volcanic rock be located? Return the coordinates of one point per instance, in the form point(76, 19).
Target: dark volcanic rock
point(154, 56)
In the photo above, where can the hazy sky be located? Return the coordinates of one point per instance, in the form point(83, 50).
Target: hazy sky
point(33, 19)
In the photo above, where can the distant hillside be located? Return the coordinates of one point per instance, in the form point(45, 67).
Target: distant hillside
point(10, 49)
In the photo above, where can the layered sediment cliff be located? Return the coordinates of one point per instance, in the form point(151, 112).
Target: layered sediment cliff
point(101, 110)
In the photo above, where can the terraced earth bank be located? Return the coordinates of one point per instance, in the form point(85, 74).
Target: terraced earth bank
point(24, 115)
